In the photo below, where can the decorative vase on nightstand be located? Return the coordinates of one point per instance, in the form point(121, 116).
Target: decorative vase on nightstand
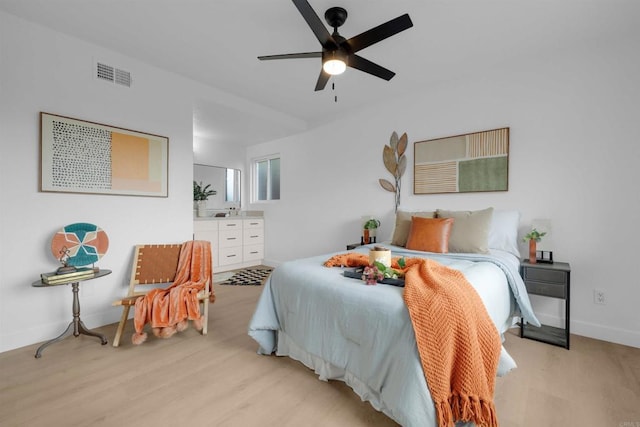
point(366, 239)
point(532, 251)
point(533, 237)
point(369, 230)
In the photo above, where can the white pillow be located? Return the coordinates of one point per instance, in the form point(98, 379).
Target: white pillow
point(503, 231)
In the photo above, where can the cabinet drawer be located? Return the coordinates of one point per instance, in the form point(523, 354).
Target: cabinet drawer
point(555, 290)
point(205, 226)
point(253, 237)
point(253, 223)
point(230, 224)
point(229, 238)
point(544, 275)
point(253, 252)
point(228, 256)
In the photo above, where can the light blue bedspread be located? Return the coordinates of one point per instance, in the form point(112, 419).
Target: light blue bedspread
point(346, 330)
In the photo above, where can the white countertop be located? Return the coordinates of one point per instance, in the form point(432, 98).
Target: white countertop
point(218, 218)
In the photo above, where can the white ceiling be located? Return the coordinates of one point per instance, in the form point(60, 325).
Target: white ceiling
point(216, 42)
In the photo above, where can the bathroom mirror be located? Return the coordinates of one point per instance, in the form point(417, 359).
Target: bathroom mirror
point(225, 182)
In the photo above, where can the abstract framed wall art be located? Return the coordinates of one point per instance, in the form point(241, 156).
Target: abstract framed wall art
point(472, 162)
point(78, 156)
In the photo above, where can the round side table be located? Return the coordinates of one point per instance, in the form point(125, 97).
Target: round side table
point(76, 326)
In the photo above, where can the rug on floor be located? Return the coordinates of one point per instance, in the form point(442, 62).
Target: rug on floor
point(222, 277)
point(248, 277)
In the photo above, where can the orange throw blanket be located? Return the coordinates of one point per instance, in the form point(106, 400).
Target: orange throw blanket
point(169, 309)
point(459, 345)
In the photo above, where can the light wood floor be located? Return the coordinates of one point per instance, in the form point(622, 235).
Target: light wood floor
point(219, 380)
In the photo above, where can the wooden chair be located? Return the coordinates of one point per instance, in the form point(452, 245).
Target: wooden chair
point(155, 265)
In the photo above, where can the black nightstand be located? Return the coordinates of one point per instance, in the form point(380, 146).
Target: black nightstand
point(548, 280)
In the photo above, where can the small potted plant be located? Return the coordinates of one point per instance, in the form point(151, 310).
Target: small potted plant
point(200, 195)
point(369, 230)
point(533, 237)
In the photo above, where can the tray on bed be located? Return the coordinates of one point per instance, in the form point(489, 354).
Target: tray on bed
point(356, 273)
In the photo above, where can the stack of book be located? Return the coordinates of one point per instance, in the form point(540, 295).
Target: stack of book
point(79, 274)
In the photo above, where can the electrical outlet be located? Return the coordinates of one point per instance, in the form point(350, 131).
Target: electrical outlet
point(599, 297)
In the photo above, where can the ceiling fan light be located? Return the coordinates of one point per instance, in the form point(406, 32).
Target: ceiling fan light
point(334, 66)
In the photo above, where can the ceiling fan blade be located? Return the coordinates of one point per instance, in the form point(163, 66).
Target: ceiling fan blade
point(359, 63)
point(323, 78)
point(314, 22)
point(292, 56)
point(379, 33)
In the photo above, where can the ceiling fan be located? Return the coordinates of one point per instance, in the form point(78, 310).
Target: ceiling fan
point(337, 52)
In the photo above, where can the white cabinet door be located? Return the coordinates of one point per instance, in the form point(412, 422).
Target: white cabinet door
point(208, 230)
point(229, 238)
point(254, 223)
point(253, 253)
point(230, 256)
point(230, 224)
point(235, 243)
point(253, 240)
point(253, 237)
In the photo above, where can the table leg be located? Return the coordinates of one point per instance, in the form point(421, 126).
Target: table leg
point(77, 324)
point(83, 330)
point(58, 338)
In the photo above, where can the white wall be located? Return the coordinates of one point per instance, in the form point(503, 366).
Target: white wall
point(574, 158)
point(41, 70)
point(216, 153)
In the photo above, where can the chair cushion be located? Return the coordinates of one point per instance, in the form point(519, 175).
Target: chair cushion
point(161, 263)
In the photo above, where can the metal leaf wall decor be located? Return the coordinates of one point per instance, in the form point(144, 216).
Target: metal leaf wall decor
point(396, 163)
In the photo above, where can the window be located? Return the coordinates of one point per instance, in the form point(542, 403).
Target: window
point(266, 178)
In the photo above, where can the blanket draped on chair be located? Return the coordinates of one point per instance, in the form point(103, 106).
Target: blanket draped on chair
point(168, 309)
point(458, 344)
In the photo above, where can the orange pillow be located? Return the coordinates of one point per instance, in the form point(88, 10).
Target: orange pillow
point(430, 234)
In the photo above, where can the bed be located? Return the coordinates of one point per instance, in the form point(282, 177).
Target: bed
point(362, 335)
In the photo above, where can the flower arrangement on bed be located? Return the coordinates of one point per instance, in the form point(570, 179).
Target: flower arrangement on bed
point(425, 354)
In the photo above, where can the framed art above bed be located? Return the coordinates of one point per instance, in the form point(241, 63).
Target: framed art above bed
point(472, 162)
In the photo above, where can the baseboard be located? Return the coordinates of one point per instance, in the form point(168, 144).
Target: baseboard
point(604, 333)
point(42, 333)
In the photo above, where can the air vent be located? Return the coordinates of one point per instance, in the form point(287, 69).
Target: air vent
point(105, 72)
point(123, 78)
point(112, 74)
